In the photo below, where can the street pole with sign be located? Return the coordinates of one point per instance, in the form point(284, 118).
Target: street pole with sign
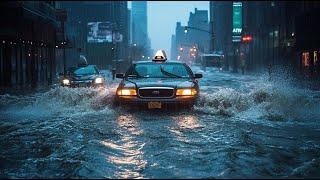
point(236, 32)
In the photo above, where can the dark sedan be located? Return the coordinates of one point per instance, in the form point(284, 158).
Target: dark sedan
point(157, 84)
point(83, 76)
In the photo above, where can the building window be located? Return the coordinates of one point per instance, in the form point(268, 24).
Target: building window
point(305, 59)
point(315, 57)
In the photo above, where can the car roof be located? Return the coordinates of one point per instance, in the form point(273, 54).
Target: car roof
point(153, 62)
point(77, 67)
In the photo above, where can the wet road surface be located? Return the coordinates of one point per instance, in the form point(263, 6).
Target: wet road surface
point(243, 126)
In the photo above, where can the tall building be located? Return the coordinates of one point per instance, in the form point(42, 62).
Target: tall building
point(173, 52)
point(139, 25)
point(27, 43)
point(129, 27)
point(283, 33)
point(221, 22)
point(90, 26)
point(197, 37)
point(200, 38)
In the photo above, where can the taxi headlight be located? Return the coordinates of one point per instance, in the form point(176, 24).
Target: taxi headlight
point(186, 92)
point(66, 82)
point(98, 80)
point(127, 92)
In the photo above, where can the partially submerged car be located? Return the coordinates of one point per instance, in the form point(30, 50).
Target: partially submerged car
point(158, 83)
point(83, 76)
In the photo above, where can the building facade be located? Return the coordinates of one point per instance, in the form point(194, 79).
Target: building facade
point(81, 15)
point(27, 48)
point(187, 45)
point(200, 38)
point(221, 22)
point(283, 33)
point(140, 35)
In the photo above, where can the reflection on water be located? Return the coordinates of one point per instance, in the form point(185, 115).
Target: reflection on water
point(187, 122)
point(129, 156)
point(184, 123)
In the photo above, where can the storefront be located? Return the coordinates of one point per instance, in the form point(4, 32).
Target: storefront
point(27, 45)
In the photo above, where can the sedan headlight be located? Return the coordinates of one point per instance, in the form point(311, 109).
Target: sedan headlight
point(127, 92)
point(98, 80)
point(186, 92)
point(66, 82)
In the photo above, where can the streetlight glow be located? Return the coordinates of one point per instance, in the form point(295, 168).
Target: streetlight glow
point(185, 30)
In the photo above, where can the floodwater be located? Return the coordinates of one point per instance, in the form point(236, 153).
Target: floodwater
point(243, 126)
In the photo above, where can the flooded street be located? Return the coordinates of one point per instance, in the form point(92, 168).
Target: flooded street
point(242, 126)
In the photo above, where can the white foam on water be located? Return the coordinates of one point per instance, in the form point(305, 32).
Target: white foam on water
point(60, 101)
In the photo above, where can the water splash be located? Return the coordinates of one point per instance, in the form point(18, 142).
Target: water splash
point(60, 101)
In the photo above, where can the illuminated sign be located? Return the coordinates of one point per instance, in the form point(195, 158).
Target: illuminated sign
point(160, 55)
point(236, 38)
point(101, 32)
point(237, 21)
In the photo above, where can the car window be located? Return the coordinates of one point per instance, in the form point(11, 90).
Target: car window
point(85, 70)
point(166, 70)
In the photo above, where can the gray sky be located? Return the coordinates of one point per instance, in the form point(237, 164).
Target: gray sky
point(162, 18)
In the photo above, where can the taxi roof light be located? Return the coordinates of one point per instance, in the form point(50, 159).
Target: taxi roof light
point(160, 56)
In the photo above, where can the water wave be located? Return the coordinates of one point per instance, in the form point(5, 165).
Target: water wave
point(59, 101)
point(265, 100)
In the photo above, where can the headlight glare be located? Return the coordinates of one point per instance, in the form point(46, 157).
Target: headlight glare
point(98, 80)
point(127, 92)
point(186, 92)
point(66, 82)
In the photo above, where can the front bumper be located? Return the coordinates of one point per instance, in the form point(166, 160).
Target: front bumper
point(77, 85)
point(135, 100)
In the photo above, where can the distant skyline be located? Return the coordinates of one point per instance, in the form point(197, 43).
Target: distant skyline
point(163, 16)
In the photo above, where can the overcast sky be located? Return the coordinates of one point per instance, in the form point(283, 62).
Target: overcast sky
point(162, 18)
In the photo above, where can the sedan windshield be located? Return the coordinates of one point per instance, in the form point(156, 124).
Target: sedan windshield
point(168, 70)
point(84, 70)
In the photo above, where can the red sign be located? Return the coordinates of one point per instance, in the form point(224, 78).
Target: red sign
point(246, 38)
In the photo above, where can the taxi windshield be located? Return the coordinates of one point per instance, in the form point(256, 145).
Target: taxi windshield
point(79, 71)
point(167, 70)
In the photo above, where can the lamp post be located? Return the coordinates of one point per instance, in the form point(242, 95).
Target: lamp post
point(114, 47)
point(134, 51)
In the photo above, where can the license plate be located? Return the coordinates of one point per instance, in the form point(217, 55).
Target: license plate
point(154, 105)
point(82, 85)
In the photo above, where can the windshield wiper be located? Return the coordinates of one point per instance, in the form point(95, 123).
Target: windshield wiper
point(136, 76)
point(166, 72)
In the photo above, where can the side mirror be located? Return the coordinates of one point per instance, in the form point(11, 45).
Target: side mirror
point(120, 75)
point(197, 75)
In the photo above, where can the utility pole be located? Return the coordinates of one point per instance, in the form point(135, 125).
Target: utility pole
point(64, 49)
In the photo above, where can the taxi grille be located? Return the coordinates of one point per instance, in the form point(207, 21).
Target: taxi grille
point(156, 92)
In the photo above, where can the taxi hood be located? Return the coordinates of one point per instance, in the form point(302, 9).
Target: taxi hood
point(162, 82)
